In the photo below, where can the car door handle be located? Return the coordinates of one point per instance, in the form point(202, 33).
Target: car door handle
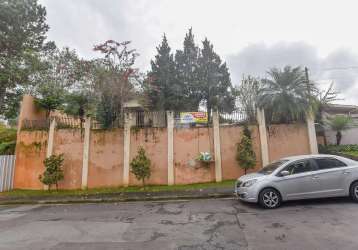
point(315, 177)
point(346, 172)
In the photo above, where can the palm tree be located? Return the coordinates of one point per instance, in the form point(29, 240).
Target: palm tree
point(323, 98)
point(338, 124)
point(286, 95)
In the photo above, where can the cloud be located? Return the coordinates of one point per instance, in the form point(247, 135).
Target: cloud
point(339, 66)
point(82, 24)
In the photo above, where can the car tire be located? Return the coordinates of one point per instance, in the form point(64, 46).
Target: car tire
point(269, 198)
point(354, 191)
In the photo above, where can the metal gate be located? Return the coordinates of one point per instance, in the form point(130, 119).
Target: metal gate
point(7, 167)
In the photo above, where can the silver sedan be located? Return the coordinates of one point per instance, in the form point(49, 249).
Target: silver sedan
point(300, 177)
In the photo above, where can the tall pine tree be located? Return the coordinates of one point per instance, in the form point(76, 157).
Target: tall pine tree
point(215, 84)
point(163, 89)
point(186, 62)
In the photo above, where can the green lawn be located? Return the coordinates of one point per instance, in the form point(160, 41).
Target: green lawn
point(19, 193)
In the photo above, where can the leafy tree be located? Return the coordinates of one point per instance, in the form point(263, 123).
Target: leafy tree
point(186, 67)
point(247, 93)
point(163, 89)
point(114, 80)
point(50, 97)
point(286, 95)
point(79, 104)
point(215, 88)
point(53, 171)
point(23, 32)
point(11, 107)
point(7, 140)
point(338, 124)
point(140, 166)
point(245, 155)
point(65, 78)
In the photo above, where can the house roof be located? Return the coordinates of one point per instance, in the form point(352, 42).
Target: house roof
point(341, 109)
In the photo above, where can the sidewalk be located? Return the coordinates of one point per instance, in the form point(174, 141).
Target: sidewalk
point(204, 193)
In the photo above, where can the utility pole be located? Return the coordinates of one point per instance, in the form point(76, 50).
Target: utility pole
point(308, 86)
point(308, 81)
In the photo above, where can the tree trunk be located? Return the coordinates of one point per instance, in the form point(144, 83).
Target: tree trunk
point(56, 186)
point(245, 169)
point(208, 110)
point(339, 137)
point(2, 95)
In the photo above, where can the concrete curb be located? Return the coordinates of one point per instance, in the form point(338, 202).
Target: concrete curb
point(120, 197)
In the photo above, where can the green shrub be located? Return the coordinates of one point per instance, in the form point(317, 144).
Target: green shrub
point(53, 171)
point(245, 155)
point(351, 149)
point(140, 166)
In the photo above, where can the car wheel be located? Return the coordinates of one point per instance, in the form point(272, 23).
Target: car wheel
point(354, 191)
point(270, 198)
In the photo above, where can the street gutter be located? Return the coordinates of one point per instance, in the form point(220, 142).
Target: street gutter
point(210, 193)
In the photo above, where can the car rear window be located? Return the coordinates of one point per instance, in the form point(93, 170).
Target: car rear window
point(327, 163)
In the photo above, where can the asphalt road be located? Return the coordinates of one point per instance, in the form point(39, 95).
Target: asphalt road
point(195, 224)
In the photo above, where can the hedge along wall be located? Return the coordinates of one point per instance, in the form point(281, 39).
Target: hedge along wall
point(30, 152)
point(70, 143)
point(188, 143)
point(105, 158)
point(229, 137)
point(287, 140)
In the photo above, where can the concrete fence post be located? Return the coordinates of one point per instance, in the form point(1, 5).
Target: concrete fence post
point(86, 148)
point(50, 141)
point(170, 128)
point(217, 148)
point(263, 137)
point(312, 138)
point(126, 147)
point(51, 137)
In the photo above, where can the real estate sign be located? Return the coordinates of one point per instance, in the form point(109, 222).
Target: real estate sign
point(193, 117)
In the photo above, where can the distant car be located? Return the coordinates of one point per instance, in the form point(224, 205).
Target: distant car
point(300, 177)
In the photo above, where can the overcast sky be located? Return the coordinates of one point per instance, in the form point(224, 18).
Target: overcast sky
point(251, 36)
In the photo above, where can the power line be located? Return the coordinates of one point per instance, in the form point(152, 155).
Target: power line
point(337, 68)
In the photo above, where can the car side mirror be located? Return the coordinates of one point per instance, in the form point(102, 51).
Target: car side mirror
point(284, 173)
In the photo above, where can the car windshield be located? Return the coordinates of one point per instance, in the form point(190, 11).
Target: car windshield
point(271, 167)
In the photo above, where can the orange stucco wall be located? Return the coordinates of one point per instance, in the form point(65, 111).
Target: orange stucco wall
point(106, 153)
point(30, 152)
point(229, 137)
point(70, 143)
point(287, 140)
point(155, 143)
point(188, 143)
point(105, 158)
point(29, 110)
